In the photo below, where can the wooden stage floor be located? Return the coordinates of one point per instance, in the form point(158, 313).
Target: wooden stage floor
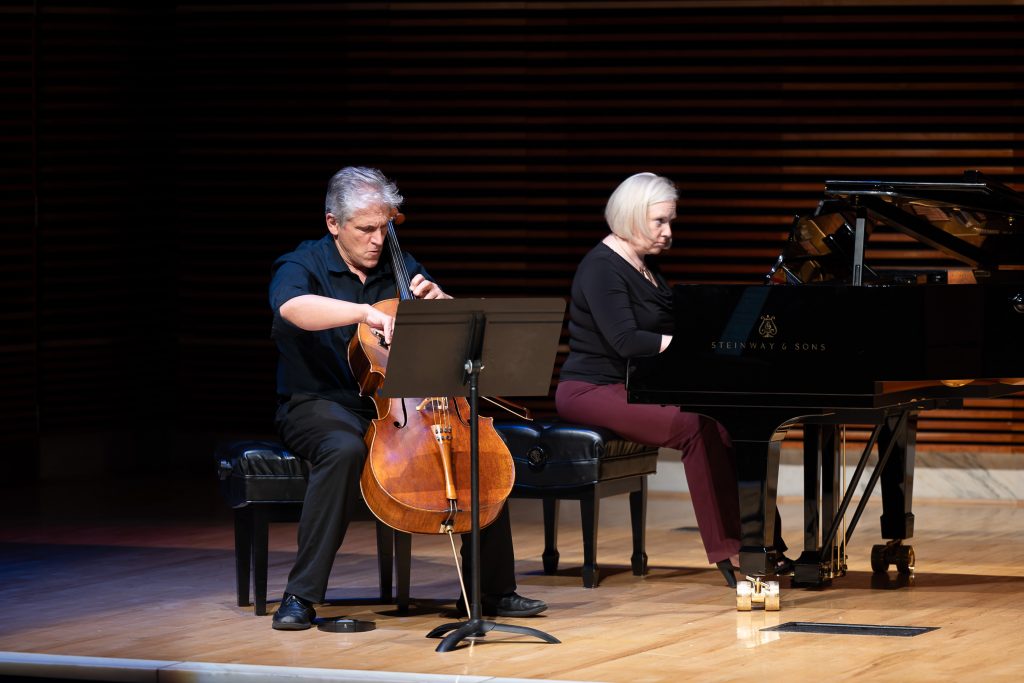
point(155, 585)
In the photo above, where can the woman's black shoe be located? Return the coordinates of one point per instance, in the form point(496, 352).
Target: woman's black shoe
point(784, 566)
point(728, 571)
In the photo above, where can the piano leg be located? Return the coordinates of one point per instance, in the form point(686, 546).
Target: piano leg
point(757, 440)
point(897, 480)
point(831, 478)
point(822, 493)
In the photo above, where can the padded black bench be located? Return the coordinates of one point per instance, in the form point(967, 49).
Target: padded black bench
point(556, 461)
point(265, 483)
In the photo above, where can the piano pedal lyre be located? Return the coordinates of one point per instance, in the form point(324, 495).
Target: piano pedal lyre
point(756, 591)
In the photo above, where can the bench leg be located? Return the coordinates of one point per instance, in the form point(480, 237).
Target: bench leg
point(550, 556)
point(385, 560)
point(260, 543)
point(590, 508)
point(394, 554)
point(403, 563)
point(638, 518)
point(243, 554)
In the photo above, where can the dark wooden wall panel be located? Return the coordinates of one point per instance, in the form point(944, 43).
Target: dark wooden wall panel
point(18, 312)
point(105, 207)
point(177, 148)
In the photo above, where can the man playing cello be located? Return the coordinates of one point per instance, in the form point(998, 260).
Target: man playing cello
point(319, 293)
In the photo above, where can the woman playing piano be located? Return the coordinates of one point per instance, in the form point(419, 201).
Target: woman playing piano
point(621, 307)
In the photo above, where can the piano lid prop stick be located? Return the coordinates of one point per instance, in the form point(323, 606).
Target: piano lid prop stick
point(858, 246)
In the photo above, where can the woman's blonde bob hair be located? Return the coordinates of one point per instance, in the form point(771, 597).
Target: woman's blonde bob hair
point(626, 211)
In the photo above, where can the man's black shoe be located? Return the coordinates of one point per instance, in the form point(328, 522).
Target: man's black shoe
point(508, 605)
point(511, 605)
point(294, 614)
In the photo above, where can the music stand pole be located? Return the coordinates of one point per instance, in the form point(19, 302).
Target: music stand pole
point(476, 626)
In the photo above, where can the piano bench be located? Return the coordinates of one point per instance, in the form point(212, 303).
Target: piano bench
point(557, 461)
point(265, 483)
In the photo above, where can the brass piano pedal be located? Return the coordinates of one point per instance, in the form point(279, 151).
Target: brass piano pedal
point(755, 591)
point(835, 569)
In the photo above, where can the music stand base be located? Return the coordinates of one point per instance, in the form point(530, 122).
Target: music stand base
point(478, 628)
point(344, 625)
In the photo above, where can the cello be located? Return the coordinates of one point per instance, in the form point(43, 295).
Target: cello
point(417, 469)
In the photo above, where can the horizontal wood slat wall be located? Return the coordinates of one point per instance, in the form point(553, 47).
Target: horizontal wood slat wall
point(179, 147)
point(18, 339)
point(508, 125)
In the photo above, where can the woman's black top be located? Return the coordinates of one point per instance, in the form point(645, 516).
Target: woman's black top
point(614, 314)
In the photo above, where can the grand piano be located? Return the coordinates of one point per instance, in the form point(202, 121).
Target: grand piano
point(828, 340)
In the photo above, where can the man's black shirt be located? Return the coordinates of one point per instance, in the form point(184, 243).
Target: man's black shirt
point(316, 363)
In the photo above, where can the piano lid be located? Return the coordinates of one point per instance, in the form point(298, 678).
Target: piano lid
point(978, 221)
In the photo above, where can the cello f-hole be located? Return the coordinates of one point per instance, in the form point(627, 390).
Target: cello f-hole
point(458, 413)
point(405, 417)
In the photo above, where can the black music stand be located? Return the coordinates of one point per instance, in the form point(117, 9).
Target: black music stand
point(518, 353)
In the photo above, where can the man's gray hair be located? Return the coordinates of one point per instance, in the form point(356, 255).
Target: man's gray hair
point(355, 188)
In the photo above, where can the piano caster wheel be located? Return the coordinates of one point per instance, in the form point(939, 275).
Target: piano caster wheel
point(743, 597)
point(905, 560)
point(879, 564)
point(893, 552)
point(754, 591)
